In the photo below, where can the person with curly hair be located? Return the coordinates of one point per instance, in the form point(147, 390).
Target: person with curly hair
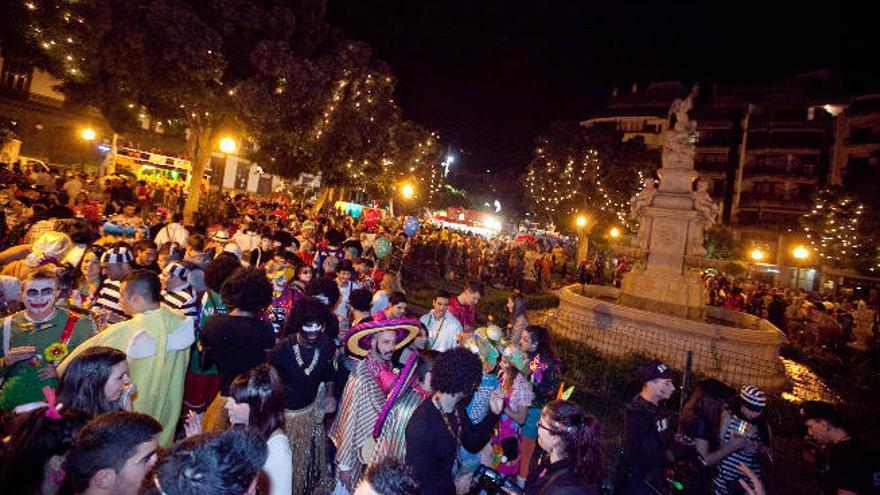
point(572, 452)
point(441, 425)
point(239, 340)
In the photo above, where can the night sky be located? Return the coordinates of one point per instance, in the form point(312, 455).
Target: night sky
point(490, 75)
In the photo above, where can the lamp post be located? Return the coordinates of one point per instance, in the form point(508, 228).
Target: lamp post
point(227, 145)
point(88, 135)
point(583, 240)
point(799, 253)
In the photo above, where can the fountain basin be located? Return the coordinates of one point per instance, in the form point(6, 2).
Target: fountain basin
point(737, 348)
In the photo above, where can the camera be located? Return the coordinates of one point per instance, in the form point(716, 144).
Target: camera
point(494, 482)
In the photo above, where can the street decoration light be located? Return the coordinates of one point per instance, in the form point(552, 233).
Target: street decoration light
point(581, 221)
point(800, 253)
point(227, 145)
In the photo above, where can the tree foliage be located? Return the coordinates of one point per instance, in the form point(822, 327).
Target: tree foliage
point(271, 69)
point(589, 170)
point(842, 230)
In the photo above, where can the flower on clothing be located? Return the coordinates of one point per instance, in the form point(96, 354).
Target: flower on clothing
point(538, 367)
point(56, 352)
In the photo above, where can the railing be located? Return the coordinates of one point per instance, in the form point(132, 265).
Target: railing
point(794, 170)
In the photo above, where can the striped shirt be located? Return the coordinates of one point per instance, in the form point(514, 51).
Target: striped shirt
point(107, 309)
point(727, 468)
point(181, 300)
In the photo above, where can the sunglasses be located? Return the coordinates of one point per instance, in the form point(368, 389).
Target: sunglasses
point(48, 291)
point(552, 431)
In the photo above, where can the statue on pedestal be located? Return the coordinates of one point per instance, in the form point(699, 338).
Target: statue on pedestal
point(637, 206)
point(678, 146)
point(708, 210)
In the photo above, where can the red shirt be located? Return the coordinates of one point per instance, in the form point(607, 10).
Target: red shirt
point(467, 315)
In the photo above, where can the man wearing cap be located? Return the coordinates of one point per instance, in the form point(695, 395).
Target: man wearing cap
point(648, 429)
point(845, 466)
point(366, 390)
point(116, 264)
point(177, 293)
point(747, 419)
point(36, 339)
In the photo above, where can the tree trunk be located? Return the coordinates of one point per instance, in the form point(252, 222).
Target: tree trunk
point(200, 151)
point(322, 196)
point(341, 194)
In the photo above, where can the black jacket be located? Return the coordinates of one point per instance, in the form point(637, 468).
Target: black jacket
point(557, 478)
point(647, 434)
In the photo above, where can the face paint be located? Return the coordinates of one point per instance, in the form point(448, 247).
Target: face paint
point(39, 298)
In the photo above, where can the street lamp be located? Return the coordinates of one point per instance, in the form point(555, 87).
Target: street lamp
point(800, 253)
point(88, 134)
point(757, 254)
point(583, 241)
point(407, 190)
point(581, 221)
point(227, 145)
point(614, 232)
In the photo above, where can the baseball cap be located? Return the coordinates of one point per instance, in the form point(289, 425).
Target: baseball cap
point(654, 370)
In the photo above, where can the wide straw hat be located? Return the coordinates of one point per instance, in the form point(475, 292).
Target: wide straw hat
point(359, 337)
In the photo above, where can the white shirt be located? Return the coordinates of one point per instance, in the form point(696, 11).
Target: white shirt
point(342, 307)
point(279, 464)
point(442, 332)
point(173, 232)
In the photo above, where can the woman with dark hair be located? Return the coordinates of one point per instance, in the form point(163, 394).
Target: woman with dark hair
point(256, 404)
point(89, 278)
point(96, 382)
point(573, 452)
point(516, 304)
point(440, 425)
point(33, 458)
point(238, 341)
point(544, 368)
point(302, 277)
point(698, 442)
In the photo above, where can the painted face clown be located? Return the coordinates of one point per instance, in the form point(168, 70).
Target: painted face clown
point(280, 273)
point(40, 337)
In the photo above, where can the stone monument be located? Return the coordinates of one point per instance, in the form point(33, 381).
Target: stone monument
point(672, 218)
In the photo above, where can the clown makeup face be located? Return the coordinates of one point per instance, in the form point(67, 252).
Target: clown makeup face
point(39, 297)
point(383, 344)
point(310, 333)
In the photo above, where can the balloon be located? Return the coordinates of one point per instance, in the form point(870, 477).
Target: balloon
point(371, 218)
point(411, 226)
point(382, 247)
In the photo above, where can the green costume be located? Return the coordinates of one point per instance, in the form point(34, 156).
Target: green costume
point(157, 344)
point(21, 381)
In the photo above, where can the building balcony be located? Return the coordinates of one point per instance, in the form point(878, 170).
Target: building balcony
point(786, 201)
point(784, 141)
point(775, 171)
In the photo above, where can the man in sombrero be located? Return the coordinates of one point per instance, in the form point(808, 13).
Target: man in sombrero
point(367, 389)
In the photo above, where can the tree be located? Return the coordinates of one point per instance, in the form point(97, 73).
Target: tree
point(585, 169)
point(842, 231)
point(181, 61)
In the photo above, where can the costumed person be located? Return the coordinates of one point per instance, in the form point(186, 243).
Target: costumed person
point(518, 395)
point(281, 273)
point(344, 275)
point(304, 360)
point(333, 249)
point(544, 369)
point(50, 248)
point(202, 379)
point(115, 264)
point(412, 387)
point(36, 339)
point(156, 341)
point(440, 426)
point(485, 343)
point(178, 294)
point(366, 390)
point(749, 420)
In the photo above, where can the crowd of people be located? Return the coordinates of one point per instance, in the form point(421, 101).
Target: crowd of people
point(266, 349)
point(834, 322)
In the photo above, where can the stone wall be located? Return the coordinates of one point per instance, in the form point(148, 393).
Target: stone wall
point(744, 350)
